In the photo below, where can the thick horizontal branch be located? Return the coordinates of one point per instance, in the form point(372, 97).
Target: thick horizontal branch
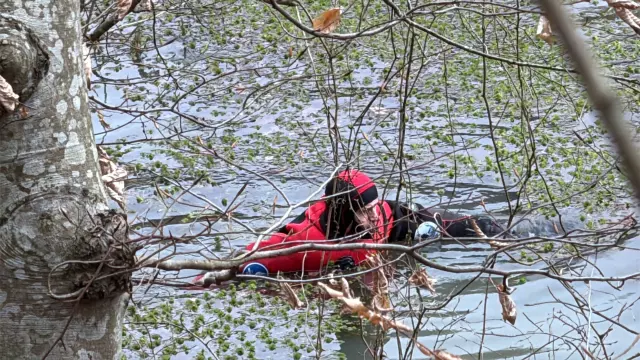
point(213, 265)
point(110, 22)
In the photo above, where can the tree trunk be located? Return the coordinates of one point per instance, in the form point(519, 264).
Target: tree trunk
point(52, 201)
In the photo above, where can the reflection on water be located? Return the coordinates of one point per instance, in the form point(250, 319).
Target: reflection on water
point(544, 327)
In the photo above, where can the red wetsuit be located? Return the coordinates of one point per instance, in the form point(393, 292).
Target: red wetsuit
point(333, 217)
point(332, 220)
point(396, 221)
point(307, 228)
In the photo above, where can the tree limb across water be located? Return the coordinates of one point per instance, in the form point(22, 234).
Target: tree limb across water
point(412, 251)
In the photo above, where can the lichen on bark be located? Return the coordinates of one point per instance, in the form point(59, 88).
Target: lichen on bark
point(52, 203)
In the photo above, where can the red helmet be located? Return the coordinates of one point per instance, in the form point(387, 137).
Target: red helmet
point(354, 186)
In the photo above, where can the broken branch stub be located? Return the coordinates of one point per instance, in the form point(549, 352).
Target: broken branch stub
point(113, 177)
point(24, 61)
point(8, 99)
point(80, 249)
point(290, 295)
point(107, 241)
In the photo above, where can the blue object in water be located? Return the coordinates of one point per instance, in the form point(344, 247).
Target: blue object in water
point(426, 230)
point(255, 269)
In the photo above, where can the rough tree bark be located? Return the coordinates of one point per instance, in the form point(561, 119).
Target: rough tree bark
point(52, 202)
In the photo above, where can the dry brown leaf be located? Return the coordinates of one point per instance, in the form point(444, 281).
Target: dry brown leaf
point(623, 4)
point(623, 9)
point(386, 324)
point(354, 305)
point(544, 30)
point(378, 319)
point(328, 21)
point(400, 327)
point(346, 293)
point(86, 60)
point(443, 355)
point(122, 8)
point(381, 303)
point(291, 296)
point(627, 16)
point(508, 306)
point(102, 121)
point(163, 194)
point(437, 354)
point(380, 290)
point(8, 99)
point(330, 291)
point(24, 112)
point(422, 279)
point(113, 177)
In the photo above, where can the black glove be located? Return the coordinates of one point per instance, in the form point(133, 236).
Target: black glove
point(346, 263)
point(488, 226)
point(463, 227)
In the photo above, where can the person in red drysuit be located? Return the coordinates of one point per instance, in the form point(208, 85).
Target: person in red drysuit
point(350, 211)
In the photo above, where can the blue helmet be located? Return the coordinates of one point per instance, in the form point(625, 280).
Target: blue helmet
point(426, 230)
point(255, 269)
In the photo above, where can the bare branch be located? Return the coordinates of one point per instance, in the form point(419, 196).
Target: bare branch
point(111, 21)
